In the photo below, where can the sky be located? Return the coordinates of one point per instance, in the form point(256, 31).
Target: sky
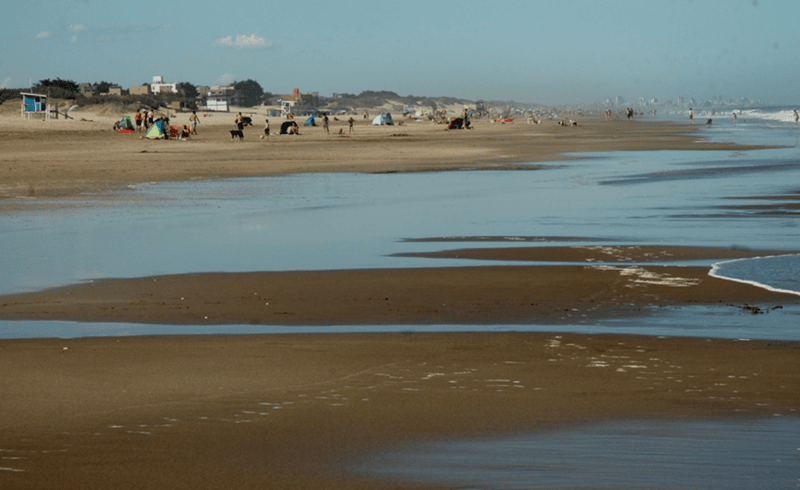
point(556, 52)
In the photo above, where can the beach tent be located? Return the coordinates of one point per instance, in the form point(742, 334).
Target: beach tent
point(286, 125)
point(156, 131)
point(310, 121)
point(126, 126)
point(384, 119)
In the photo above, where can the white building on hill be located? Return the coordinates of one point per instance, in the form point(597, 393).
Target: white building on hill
point(158, 86)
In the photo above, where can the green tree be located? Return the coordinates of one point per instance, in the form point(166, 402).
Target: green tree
point(66, 85)
point(102, 87)
point(8, 93)
point(58, 88)
point(188, 90)
point(250, 91)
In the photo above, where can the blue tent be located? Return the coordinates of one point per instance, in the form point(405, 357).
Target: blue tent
point(310, 121)
point(157, 130)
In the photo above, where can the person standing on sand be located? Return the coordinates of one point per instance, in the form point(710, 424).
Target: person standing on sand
point(240, 122)
point(325, 123)
point(351, 121)
point(266, 129)
point(691, 115)
point(138, 119)
point(193, 120)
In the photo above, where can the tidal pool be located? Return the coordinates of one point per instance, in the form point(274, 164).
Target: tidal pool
point(344, 221)
point(730, 455)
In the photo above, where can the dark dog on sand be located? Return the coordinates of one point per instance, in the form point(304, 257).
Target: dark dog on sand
point(236, 133)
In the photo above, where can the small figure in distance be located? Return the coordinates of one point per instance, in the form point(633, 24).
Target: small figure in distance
point(194, 121)
point(265, 134)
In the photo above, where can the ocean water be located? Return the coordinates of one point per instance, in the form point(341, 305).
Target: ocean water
point(343, 221)
point(777, 273)
point(664, 455)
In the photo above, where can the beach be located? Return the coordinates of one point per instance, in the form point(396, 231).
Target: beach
point(85, 157)
point(278, 411)
point(299, 409)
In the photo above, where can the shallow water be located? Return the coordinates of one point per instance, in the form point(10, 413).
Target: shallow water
point(730, 455)
point(343, 221)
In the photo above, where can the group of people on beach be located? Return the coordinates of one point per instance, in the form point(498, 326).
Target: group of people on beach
point(143, 119)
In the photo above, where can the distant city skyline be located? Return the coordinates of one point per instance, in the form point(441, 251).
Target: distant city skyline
point(553, 53)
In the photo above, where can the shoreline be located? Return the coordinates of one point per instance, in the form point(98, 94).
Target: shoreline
point(293, 410)
point(715, 269)
point(603, 282)
point(86, 159)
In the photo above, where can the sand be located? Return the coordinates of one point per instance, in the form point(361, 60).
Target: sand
point(281, 411)
point(296, 411)
point(68, 159)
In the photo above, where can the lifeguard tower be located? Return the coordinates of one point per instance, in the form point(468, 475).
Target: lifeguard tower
point(288, 103)
point(34, 105)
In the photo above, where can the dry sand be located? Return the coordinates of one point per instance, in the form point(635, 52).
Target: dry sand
point(44, 159)
point(293, 411)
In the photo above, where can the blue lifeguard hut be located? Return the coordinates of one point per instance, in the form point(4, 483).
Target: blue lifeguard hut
point(34, 104)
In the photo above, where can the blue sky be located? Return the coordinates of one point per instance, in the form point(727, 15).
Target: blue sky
point(550, 52)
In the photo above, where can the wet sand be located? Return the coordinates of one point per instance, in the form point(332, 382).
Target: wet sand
point(284, 411)
point(444, 295)
point(291, 410)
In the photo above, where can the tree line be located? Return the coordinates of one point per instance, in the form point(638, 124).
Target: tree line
point(251, 93)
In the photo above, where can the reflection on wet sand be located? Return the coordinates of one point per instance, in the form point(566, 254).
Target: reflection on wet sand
point(293, 411)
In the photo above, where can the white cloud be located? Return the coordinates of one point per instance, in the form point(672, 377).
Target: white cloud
point(44, 35)
point(241, 42)
point(75, 29)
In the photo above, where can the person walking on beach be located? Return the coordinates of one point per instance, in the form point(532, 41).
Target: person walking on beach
point(193, 120)
point(351, 121)
point(691, 115)
point(240, 122)
point(266, 129)
point(325, 124)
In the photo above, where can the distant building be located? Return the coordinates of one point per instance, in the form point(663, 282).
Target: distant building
point(297, 100)
point(159, 86)
point(221, 98)
point(115, 90)
point(86, 89)
point(139, 89)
